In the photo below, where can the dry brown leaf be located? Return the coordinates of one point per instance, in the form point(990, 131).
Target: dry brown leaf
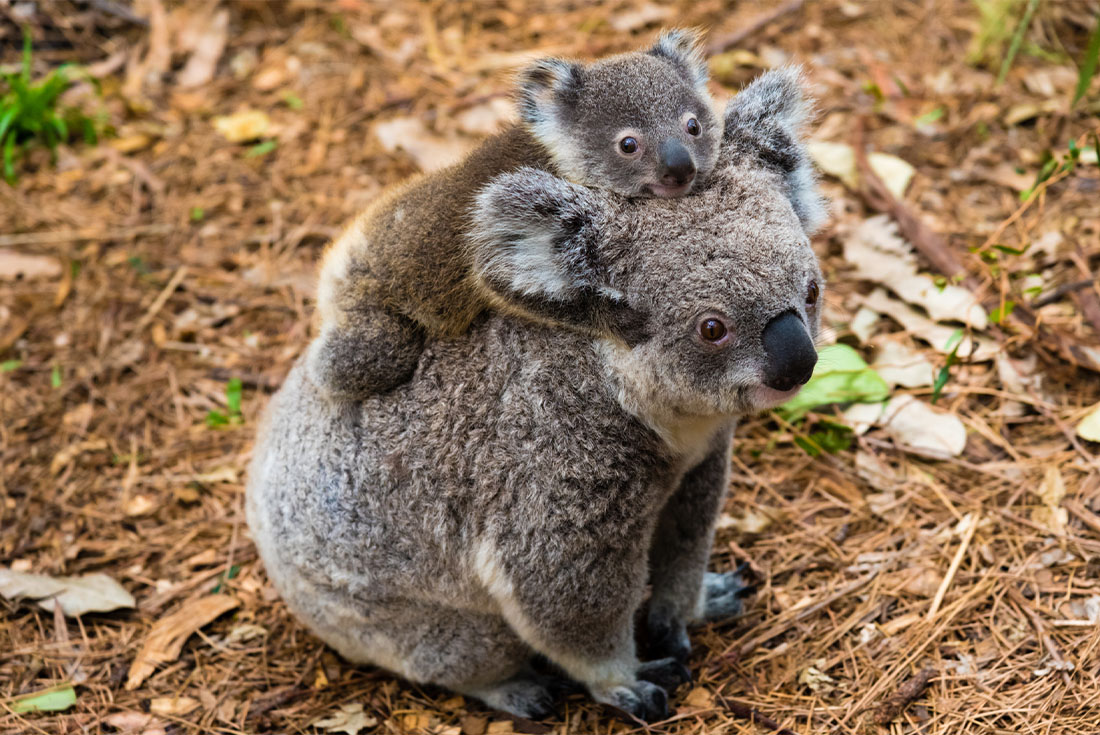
point(900, 365)
point(1052, 492)
point(699, 697)
point(136, 723)
point(208, 47)
point(839, 160)
point(15, 265)
point(166, 638)
point(639, 17)
point(916, 425)
point(430, 151)
point(172, 705)
point(938, 336)
point(243, 126)
point(76, 595)
point(349, 718)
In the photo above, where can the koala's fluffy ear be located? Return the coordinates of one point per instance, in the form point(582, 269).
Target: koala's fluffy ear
point(545, 83)
point(680, 47)
point(767, 119)
point(536, 242)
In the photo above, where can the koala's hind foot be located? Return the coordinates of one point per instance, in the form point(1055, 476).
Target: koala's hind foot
point(527, 695)
point(376, 352)
point(722, 595)
point(644, 700)
point(667, 673)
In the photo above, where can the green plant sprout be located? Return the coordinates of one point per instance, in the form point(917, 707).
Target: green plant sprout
point(29, 112)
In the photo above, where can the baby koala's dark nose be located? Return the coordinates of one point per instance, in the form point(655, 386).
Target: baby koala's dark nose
point(677, 168)
point(790, 352)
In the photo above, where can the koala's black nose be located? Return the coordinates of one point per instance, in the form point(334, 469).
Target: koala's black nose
point(677, 168)
point(790, 351)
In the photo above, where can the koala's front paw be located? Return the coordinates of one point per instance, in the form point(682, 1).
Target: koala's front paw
point(723, 593)
point(667, 636)
point(648, 702)
point(667, 673)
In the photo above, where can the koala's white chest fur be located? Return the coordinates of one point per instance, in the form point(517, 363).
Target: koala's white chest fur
point(688, 436)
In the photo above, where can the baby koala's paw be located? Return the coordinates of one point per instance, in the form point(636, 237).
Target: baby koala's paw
point(667, 673)
point(723, 592)
point(643, 700)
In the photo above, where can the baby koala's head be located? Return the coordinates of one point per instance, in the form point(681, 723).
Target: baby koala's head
point(639, 124)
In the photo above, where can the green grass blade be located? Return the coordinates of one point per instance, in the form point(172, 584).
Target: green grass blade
point(1088, 66)
point(7, 118)
point(1017, 39)
point(26, 54)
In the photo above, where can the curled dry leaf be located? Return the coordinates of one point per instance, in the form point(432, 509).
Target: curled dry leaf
point(700, 698)
point(899, 365)
point(76, 595)
point(172, 705)
point(881, 255)
point(918, 426)
point(938, 336)
point(817, 680)
point(167, 636)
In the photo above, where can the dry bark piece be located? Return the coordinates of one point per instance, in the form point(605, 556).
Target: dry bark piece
point(903, 697)
point(76, 595)
point(167, 636)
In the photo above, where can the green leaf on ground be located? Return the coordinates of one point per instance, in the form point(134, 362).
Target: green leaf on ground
point(841, 376)
point(54, 699)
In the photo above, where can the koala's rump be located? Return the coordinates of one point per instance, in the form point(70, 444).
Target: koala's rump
point(390, 498)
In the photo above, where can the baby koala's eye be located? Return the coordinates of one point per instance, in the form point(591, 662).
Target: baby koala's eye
point(692, 126)
point(812, 294)
point(628, 145)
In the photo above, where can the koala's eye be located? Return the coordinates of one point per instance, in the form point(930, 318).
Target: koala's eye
point(712, 329)
point(812, 294)
point(692, 126)
point(629, 145)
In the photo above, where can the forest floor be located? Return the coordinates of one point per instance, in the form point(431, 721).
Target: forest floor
point(155, 289)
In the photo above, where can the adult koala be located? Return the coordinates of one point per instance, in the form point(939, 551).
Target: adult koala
point(517, 495)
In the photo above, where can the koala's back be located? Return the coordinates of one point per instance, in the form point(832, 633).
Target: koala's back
point(408, 250)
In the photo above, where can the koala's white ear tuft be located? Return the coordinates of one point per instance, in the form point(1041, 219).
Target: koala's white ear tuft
point(680, 46)
point(545, 83)
point(767, 120)
point(532, 233)
point(537, 244)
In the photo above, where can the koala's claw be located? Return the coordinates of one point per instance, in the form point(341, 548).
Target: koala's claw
point(644, 700)
point(667, 673)
point(723, 594)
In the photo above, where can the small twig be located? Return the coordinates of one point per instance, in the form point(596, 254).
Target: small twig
point(951, 570)
point(1061, 291)
point(162, 298)
point(65, 236)
point(726, 42)
point(886, 712)
point(745, 712)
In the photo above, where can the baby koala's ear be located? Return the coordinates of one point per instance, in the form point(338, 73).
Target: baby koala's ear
point(680, 46)
point(767, 120)
point(545, 83)
point(536, 245)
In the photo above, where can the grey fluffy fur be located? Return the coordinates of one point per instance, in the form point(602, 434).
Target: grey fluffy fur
point(515, 497)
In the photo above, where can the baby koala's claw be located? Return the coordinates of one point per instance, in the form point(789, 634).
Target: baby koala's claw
point(667, 673)
point(723, 594)
point(643, 700)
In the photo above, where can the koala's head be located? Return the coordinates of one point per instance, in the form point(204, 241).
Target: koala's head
point(709, 305)
point(639, 124)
